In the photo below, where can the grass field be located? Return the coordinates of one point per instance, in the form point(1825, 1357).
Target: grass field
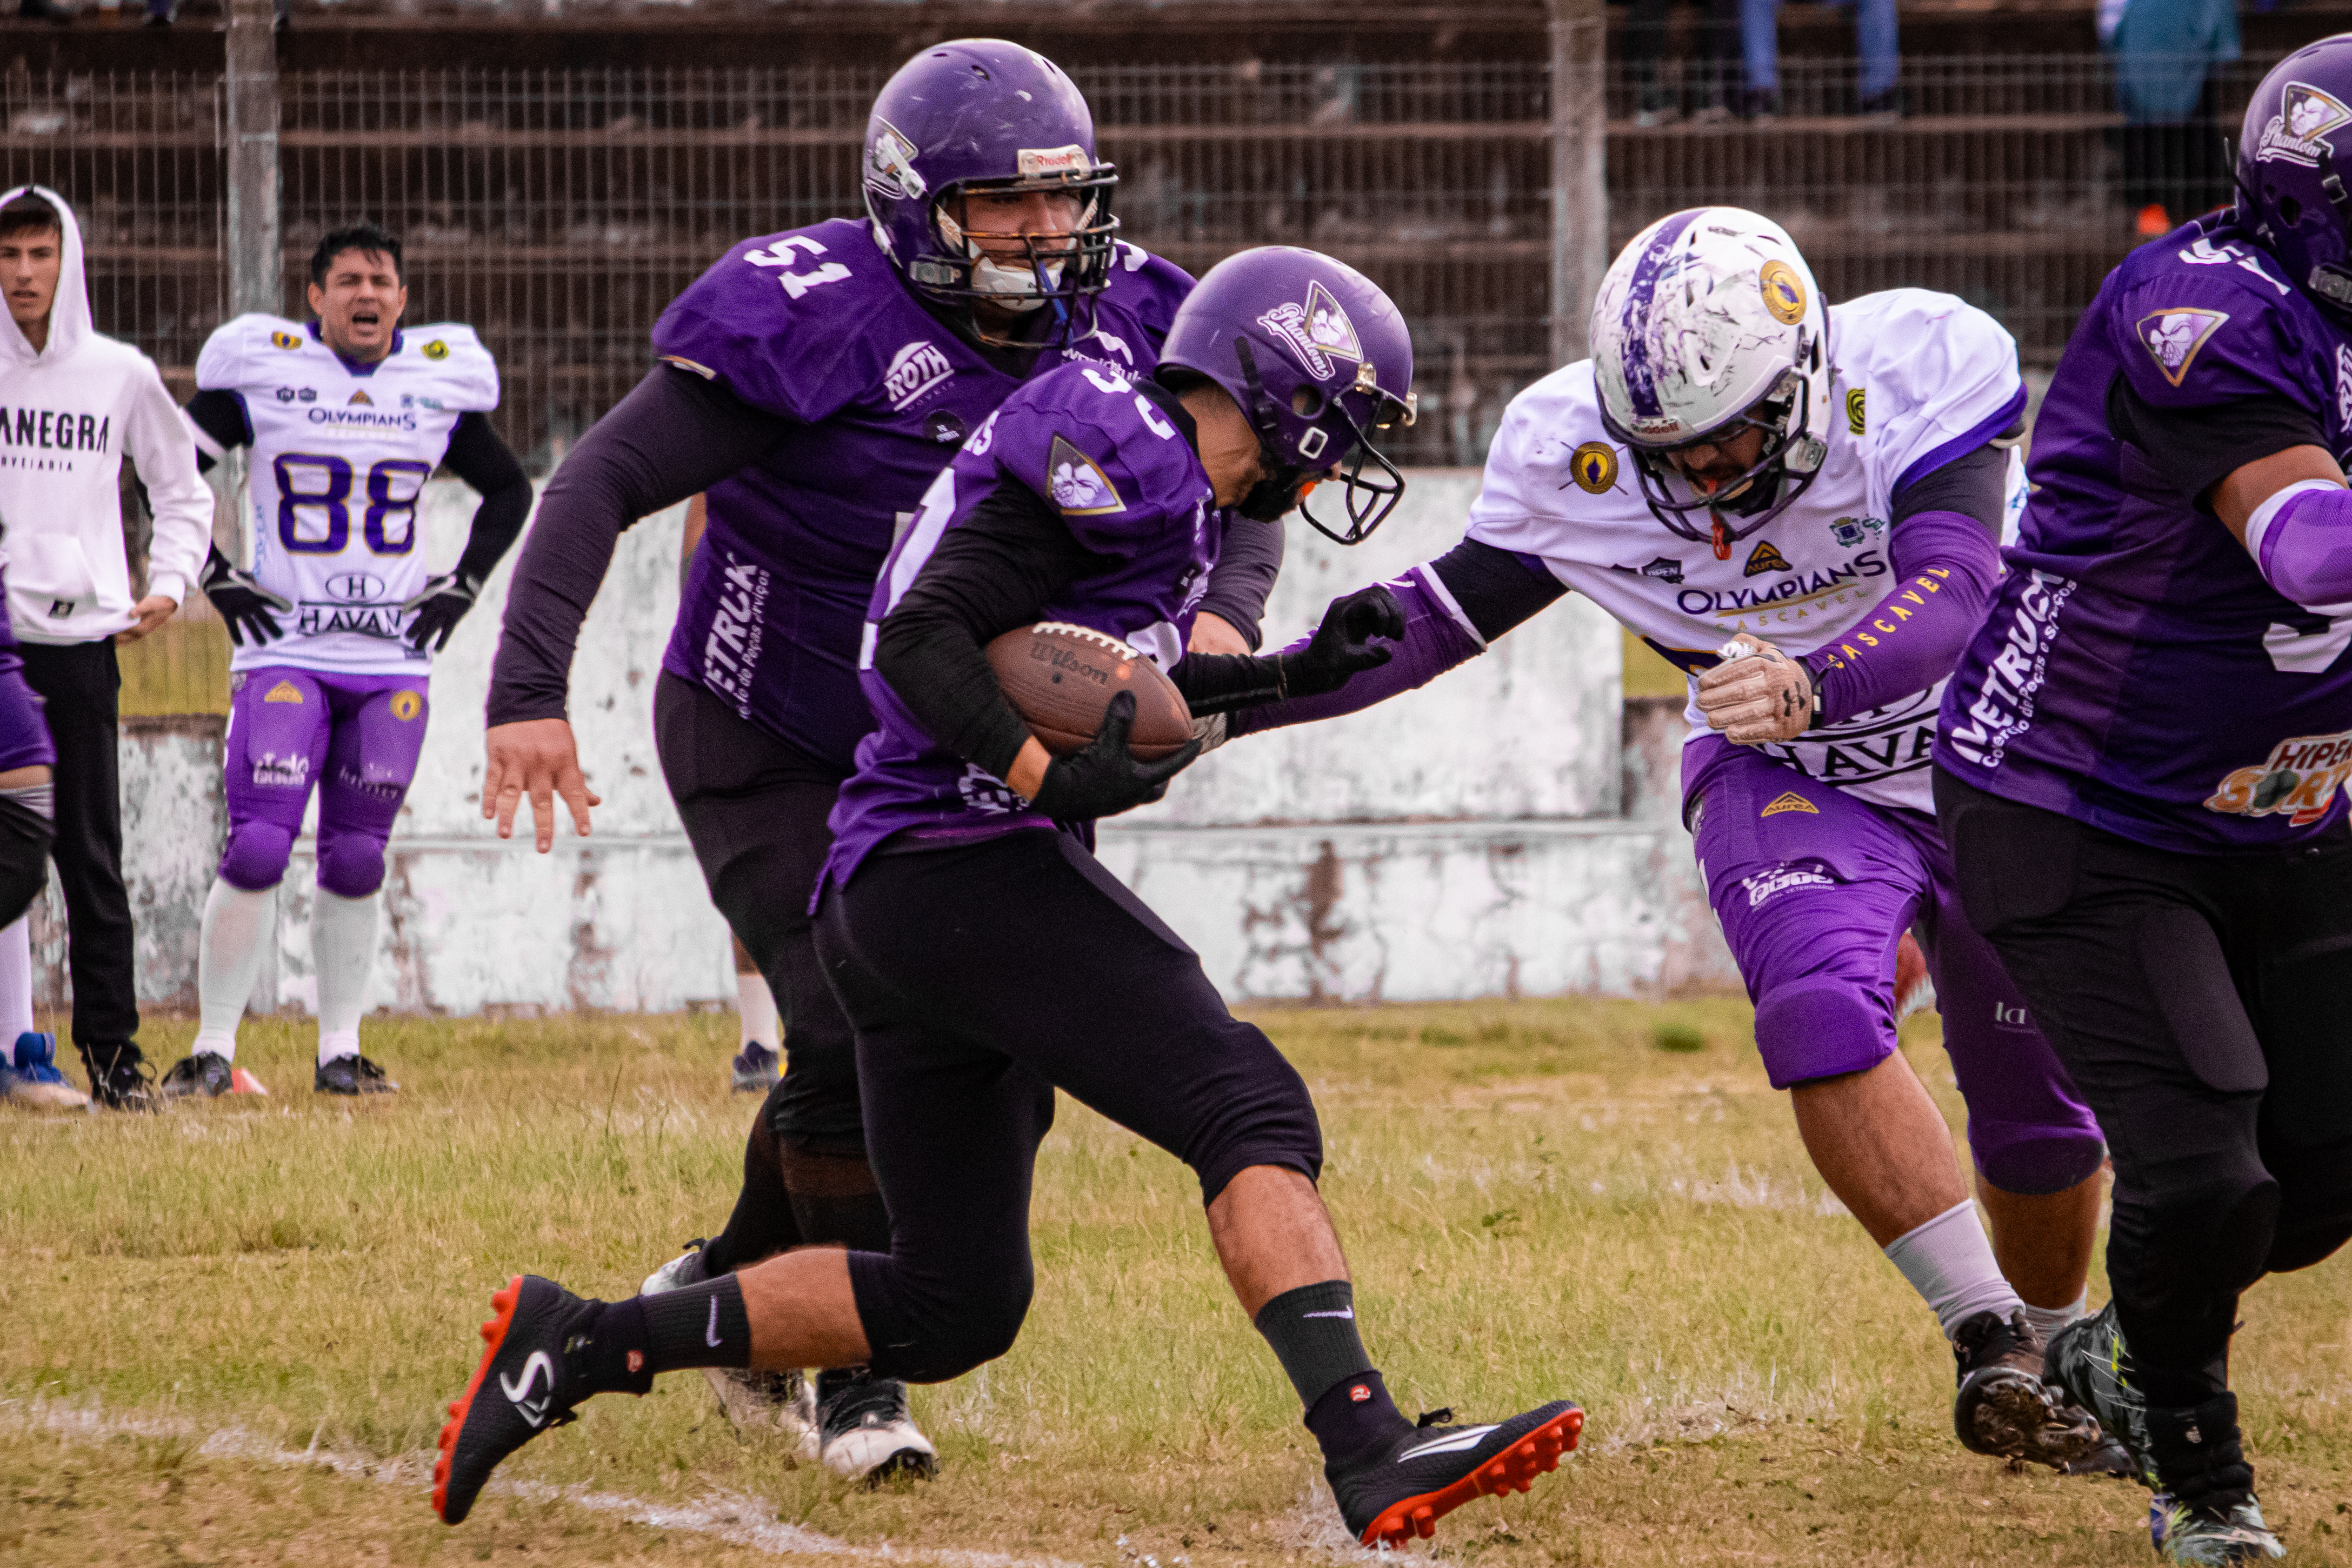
point(226, 1333)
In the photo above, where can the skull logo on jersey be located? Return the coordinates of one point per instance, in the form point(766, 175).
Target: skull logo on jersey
point(2295, 132)
point(2175, 336)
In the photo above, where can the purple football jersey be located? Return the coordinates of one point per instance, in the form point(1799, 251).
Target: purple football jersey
point(1132, 490)
point(2136, 672)
point(816, 326)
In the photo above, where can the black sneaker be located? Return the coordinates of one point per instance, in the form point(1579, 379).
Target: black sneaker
point(755, 1069)
point(351, 1075)
point(2003, 1407)
point(523, 1387)
point(120, 1077)
point(207, 1073)
point(2088, 1363)
point(864, 1431)
point(1434, 1469)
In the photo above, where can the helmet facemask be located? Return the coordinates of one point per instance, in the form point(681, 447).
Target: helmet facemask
point(1368, 499)
point(1786, 467)
point(1064, 271)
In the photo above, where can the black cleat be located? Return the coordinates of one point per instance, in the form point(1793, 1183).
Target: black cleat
point(864, 1432)
point(2088, 1363)
point(1434, 1469)
point(207, 1073)
point(754, 1069)
point(2003, 1407)
point(351, 1075)
point(120, 1077)
point(523, 1387)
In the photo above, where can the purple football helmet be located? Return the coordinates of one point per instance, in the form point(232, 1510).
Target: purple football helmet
point(1319, 359)
point(2291, 195)
point(981, 114)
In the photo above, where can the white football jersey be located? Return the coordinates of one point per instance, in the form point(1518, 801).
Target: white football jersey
point(1917, 378)
point(341, 454)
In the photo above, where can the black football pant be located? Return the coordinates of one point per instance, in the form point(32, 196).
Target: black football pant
point(754, 808)
point(2203, 1005)
point(981, 977)
point(80, 687)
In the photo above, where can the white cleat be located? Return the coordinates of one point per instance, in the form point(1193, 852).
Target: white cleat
point(777, 1404)
point(864, 1433)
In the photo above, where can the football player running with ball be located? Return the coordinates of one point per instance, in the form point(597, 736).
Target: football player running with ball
point(2142, 768)
point(338, 621)
point(1799, 506)
point(814, 383)
point(1088, 498)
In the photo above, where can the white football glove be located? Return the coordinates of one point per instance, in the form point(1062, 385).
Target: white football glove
point(1757, 694)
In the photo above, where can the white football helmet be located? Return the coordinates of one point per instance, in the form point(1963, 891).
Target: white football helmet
point(1707, 324)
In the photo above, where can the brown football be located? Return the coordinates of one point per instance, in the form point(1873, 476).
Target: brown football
point(1060, 678)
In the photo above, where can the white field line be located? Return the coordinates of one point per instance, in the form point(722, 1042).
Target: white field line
point(737, 1521)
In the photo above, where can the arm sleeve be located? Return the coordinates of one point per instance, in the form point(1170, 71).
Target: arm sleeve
point(1974, 485)
point(995, 570)
point(157, 440)
point(218, 422)
point(674, 434)
point(477, 456)
point(1246, 566)
point(1945, 564)
point(2195, 449)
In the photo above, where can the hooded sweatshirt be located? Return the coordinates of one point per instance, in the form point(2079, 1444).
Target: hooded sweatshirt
point(69, 414)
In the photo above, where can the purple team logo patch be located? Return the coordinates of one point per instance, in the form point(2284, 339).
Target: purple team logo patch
point(2175, 336)
point(1318, 332)
point(2297, 132)
point(1078, 487)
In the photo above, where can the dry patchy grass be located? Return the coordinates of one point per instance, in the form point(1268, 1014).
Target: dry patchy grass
point(230, 1330)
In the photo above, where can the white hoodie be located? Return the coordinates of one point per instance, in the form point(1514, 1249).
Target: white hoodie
point(68, 415)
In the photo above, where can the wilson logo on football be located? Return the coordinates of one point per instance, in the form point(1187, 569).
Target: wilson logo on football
point(1318, 332)
point(2299, 781)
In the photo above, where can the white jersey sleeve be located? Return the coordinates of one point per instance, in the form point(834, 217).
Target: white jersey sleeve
point(1926, 377)
point(463, 377)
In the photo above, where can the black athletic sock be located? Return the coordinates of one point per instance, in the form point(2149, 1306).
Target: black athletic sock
point(1313, 1332)
point(622, 1346)
point(836, 1200)
point(763, 1223)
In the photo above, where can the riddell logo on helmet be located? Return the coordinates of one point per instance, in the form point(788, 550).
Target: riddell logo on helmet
point(1318, 332)
point(1035, 162)
point(2295, 132)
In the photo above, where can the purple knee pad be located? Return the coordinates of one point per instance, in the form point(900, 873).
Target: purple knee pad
point(256, 856)
point(351, 865)
point(1820, 1028)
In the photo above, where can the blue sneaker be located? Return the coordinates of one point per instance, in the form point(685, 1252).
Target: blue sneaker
point(29, 1075)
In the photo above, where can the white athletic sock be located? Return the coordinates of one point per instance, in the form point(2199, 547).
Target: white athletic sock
point(343, 950)
point(238, 924)
point(16, 981)
point(756, 1006)
point(1948, 1261)
point(2048, 1320)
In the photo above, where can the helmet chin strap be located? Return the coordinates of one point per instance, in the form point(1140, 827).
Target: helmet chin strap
point(2334, 284)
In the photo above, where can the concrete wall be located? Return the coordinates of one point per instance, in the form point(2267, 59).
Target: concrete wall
point(1505, 830)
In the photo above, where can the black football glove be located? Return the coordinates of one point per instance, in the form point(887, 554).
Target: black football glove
point(1342, 645)
point(438, 609)
point(244, 604)
point(1105, 779)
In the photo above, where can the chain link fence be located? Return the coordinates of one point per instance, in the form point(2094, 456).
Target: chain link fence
point(558, 212)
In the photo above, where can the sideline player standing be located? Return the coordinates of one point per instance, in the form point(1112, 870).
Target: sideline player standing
point(348, 416)
point(76, 404)
point(1832, 490)
point(1088, 497)
point(814, 381)
point(2142, 768)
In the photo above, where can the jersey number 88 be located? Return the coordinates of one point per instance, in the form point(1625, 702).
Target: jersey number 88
point(389, 524)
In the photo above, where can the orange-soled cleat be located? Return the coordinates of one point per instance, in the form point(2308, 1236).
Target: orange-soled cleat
point(1433, 1469)
point(522, 1388)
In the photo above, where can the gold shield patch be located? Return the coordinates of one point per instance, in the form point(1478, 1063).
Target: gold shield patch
point(437, 350)
point(1784, 292)
point(1594, 465)
point(1854, 410)
point(405, 705)
point(286, 339)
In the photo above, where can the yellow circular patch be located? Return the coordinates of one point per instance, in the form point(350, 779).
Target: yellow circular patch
point(1784, 292)
point(437, 350)
point(1854, 410)
point(406, 705)
point(286, 339)
point(1594, 465)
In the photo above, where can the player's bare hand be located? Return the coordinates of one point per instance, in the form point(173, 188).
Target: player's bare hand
point(152, 612)
point(1757, 694)
point(535, 758)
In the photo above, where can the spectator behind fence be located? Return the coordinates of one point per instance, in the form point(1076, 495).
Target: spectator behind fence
point(1709, 89)
point(2165, 84)
point(80, 403)
point(1874, 37)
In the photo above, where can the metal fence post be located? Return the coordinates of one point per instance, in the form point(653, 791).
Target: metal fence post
point(1580, 171)
point(253, 240)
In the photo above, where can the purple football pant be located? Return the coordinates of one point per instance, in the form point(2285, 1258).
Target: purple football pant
point(355, 737)
point(1815, 889)
point(24, 731)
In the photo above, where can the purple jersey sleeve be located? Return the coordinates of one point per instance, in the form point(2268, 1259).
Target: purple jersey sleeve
point(2192, 338)
point(1102, 456)
point(765, 322)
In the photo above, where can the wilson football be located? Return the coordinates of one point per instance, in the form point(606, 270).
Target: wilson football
point(1060, 678)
